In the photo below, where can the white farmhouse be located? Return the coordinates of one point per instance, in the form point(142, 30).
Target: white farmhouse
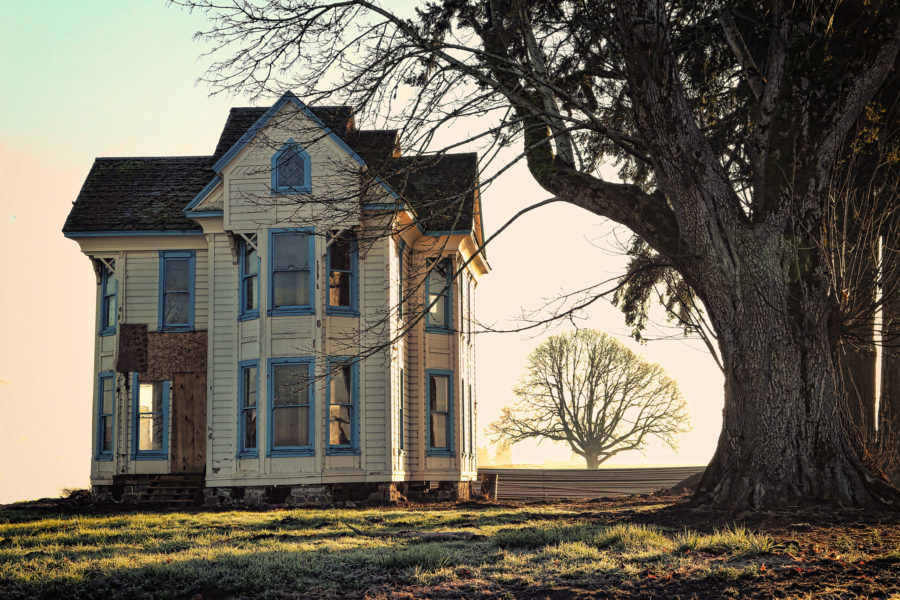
point(288, 320)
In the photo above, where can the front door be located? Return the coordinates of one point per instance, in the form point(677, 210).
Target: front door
point(189, 422)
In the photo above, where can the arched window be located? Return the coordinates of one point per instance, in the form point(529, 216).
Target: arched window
point(290, 170)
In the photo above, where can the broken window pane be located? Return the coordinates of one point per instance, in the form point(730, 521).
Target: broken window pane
point(176, 308)
point(340, 384)
point(339, 289)
point(291, 384)
point(150, 415)
point(291, 425)
point(340, 426)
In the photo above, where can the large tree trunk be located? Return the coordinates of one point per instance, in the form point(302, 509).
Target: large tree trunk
point(592, 462)
point(889, 411)
point(782, 440)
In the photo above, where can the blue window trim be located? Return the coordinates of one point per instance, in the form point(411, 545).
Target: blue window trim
point(448, 451)
point(402, 402)
point(471, 422)
point(244, 315)
point(306, 309)
point(448, 300)
point(100, 453)
point(106, 297)
point(353, 309)
point(241, 451)
point(401, 249)
point(164, 255)
point(308, 450)
point(136, 453)
point(353, 446)
point(306, 187)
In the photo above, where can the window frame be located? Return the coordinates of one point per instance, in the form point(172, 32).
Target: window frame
point(105, 297)
point(165, 255)
point(242, 451)
point(401, 250)
point(299, 309)
point(306, 187)
point(100, 453)
point(431, 450)
point(271, 449)
point(447, 293)
point(353, 272)
point(136, 452)
point(353, 447)
point(402, 411)
point(243, 314)
point(472, 422)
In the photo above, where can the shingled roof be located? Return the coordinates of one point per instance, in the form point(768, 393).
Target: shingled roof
point(139, 194)
point(150, 193)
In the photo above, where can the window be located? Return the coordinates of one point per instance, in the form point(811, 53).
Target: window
point(401, 247)
point(109, 286)
point(469, 315)
point(151, 411)
point(291, 406)
point(176, 290)
point(342, 393)
point(402, 403)
point(463, 434)
point(106, 402)
point(291, 274)
point(438, 287)
point(248, 392)
point(343, 265)
point(291, 170)
point(440, 412)
point(249, 275)
point(471, 422)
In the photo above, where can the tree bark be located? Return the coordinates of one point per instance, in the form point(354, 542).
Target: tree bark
point(592, 462)
point(782, 442)
point(889, 410)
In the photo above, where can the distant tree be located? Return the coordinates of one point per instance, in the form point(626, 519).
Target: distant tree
point(588, 390)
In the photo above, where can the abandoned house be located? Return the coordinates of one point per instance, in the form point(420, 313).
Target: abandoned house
point(287, 321)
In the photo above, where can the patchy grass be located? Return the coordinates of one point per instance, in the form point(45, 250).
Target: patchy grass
point(628, 548)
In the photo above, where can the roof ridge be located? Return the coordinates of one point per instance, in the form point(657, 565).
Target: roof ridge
point(170, 157)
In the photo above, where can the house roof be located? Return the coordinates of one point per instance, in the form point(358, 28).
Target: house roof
point(150, 193)
point(138, 194)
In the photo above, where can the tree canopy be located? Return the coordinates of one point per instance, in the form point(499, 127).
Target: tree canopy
point(731, 125)
point(588, 390)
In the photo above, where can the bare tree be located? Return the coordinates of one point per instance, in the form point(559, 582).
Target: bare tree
point(588, 390)
point(729, 122)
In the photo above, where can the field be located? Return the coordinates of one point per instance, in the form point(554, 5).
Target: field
point(629, 548)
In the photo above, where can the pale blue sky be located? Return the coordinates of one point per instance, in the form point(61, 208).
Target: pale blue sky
point(114, 78)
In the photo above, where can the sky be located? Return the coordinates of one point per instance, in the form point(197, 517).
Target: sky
point(111, 78)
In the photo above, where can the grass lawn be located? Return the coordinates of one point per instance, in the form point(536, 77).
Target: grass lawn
point(631, 548)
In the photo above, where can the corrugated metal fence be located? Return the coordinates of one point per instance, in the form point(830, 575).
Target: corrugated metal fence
point(519, 484)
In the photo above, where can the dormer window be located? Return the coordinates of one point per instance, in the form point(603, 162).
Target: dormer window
point(290, 170)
